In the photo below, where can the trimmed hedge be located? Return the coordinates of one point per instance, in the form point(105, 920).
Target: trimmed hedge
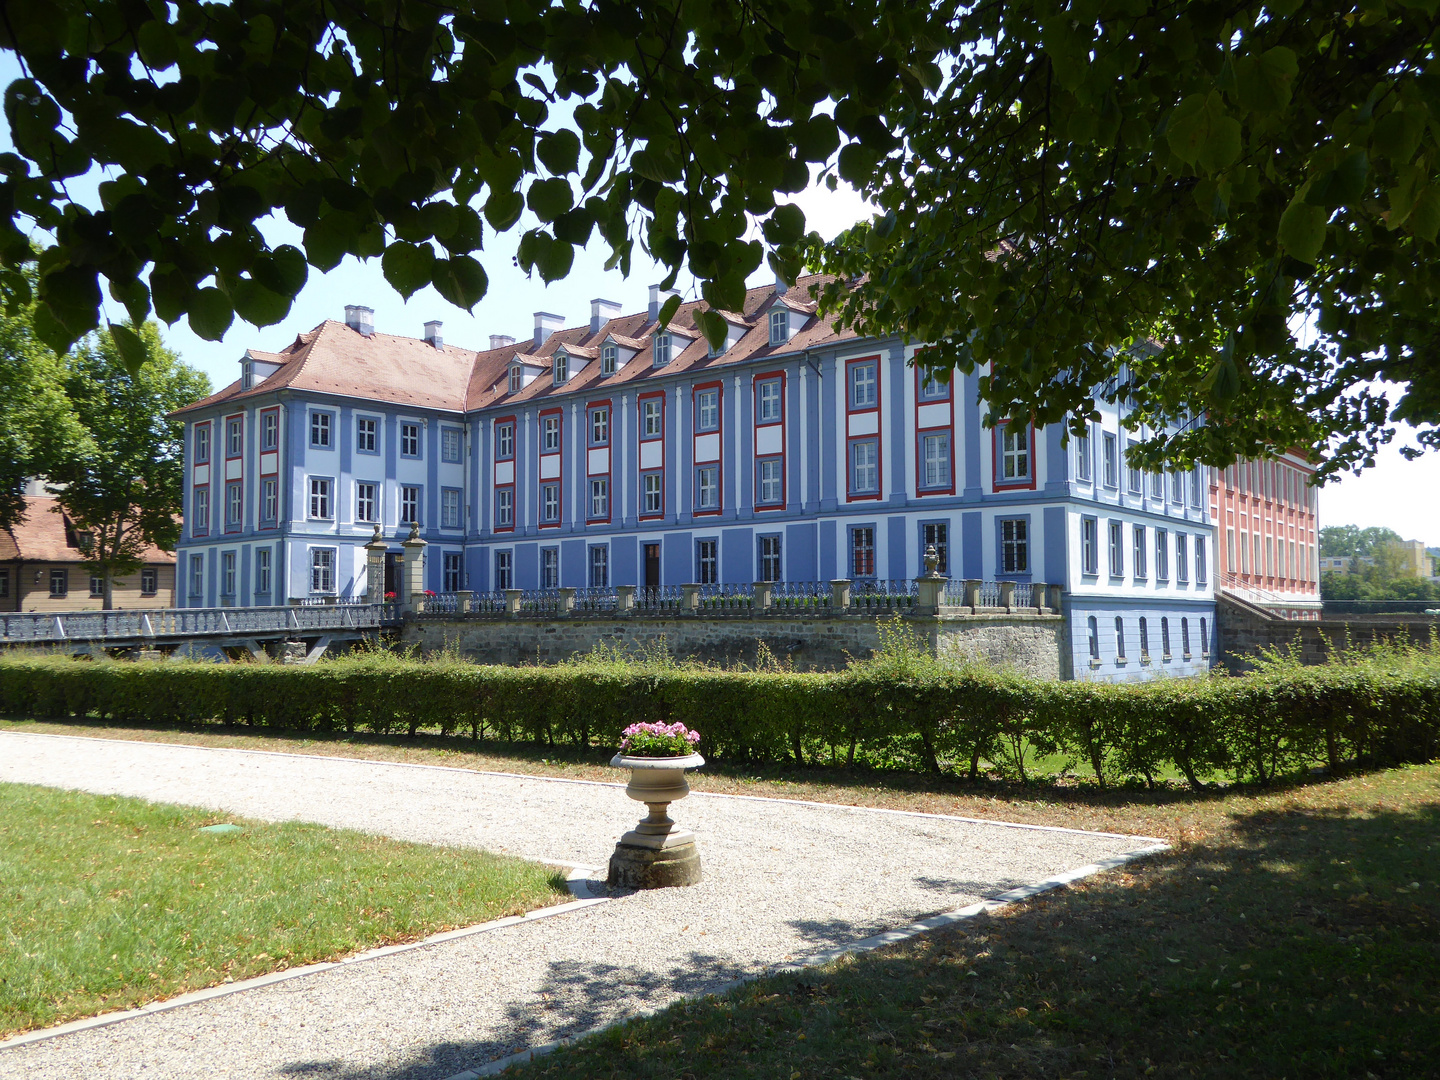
point(898, 710)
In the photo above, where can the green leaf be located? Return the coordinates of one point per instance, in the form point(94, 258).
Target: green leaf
point(1264, 84)
point(211, 313)
point(1424, 220)
point(130, 346)
point(330, 239)
point(460, 280)
point(503, 209)
point(668, 309)
point(1302, 230)
point(1343, 185)
point(157, 44)
point(410, 267)
point(1398, 133)
point(283, 271)
point(559, 151)
point(714, 327)
point(555, 258)
point(257, 304)
point(134, 295)
point(551, 198)
point(786, 225)
point(1068, 50)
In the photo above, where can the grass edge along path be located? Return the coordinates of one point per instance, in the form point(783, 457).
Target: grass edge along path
point(109, 902)
point(1299, 938)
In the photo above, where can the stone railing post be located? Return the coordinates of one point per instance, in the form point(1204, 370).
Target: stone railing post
point(928, 591)
point(761, 591)
point(1037, 595)
point(624, 599)
point(1053, 595)
point(567, 600)
point(1007, 595)
point(840, 594)
point(972, 594)
point(690, 598)
point(413, 600)
point(512, 601)
point(462, 601)
point(375, 568)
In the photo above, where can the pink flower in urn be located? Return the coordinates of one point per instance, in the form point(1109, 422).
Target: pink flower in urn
point(658, 740)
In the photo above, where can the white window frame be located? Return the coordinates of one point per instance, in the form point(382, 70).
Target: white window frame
point(865, 467)
point(1162, 555)
point(1117, 548)
point(600, 426)
point(452, 571)
point(1182, 558)
point(322, 571)
point(599, 567)
point(513, 379)
point(504, 570)
point(366, 435)
point(410, 435)
point(262, 571)
point(769, 408)
point(321, 437)
point(652, 493)
point(707, 487)
point(321, 492)
point(451, 436)
point(197, 575)
point(1082, 458)
point(779, 326)
point(450, 508)
point(1014, 453)
point(366, 502)
point(1112, 459)
point(770, 485)
point(550, 502)
point(653, 412)
point(865, 385)
point(599, 497)
point(410, 493)
point(505, 440)
point(560, 373)
point(661, 345)
point(505, 508)
point(1089, 545)
point(1140, 553)
point(771, 565)
point(707, 561)
point(549, 568)
point(550, 434)
point(707, 410)
point(609, 357)
point(935, 447)
point(228, 577)
point(1014, 547)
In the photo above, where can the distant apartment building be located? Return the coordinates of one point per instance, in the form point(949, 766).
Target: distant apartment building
point(1414, 560)
point(40, 568)
point(1266, 514)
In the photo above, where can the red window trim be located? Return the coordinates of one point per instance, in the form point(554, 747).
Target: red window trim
point(879, 492)
point(641, 514)
point(640, 415)
point(499, 422)
point(240, 456)
point(609, 447)
point(209, 510)
point(920, 432)
point(261, 524)
point(919, 381)
point(719, 431)
point(226, 529)
point(559, 479)
point(603, 403)
point(514, 510)
point(720, 407)
point(998, 484)
point(770, 376)
point(609, 501)
point(259, 435)
point(209, 439)
point(642, 439)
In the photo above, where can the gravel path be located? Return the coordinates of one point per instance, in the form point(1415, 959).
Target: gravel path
point(782, 880)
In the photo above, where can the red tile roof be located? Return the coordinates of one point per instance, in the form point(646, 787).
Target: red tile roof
point(42, 536)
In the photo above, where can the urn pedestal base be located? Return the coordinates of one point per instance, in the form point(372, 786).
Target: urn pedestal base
point(634, 867)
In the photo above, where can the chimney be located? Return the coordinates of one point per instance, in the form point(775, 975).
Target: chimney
point(432, 334)
point(601, 312)
point(658, 296)
point(499, 341)
point(545, 325)
point(360, 318)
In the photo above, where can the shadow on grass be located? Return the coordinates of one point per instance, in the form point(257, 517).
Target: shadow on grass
point(1301, 942)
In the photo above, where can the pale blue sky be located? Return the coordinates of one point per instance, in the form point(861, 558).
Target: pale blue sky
point(1404, 496)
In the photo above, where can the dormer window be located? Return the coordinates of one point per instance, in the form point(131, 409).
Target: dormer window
point(609, 353)
point(562, 368)
point(514, 378)
point(779, 326)
point(662, 350)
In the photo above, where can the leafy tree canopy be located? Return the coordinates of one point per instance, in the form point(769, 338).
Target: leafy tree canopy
point(1337, 541)
point(1205, 177)
point(410, 130)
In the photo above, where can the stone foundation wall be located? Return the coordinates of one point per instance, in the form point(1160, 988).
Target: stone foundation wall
point(1245, 629)
point(1034, 643)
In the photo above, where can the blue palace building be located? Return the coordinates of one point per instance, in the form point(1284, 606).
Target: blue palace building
point(623, 452)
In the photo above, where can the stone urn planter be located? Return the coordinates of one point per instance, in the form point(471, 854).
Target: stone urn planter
point(657, 853)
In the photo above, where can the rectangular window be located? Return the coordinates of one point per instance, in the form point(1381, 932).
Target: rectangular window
point(608, 355)
point(262, 571)
point(149, 581)
point(234, 437)
point(936, 535)
point(1162, 555)
point(549, 568)
point(505, 440)
point(97, 584)
point(516, 379)
point(320, 499)
point(202, 443)
point(269, 501)
point(1014, 453)
point(1201, 571)
point(1014, 546)
point(1195, 486)
point(599, 427)
point(599, 498)
point(1089, 546)
point(322, 570)
point(452, 572)
point(1082, 458)
point(772, 485)
point(200, 507)
point(320, 430)
point(365, 502)
point(1139, 553)
point(779, 326)
point(1112, 466)
point(227, 573)
point(1144, 639)
point(707, 561)
point(1157, 484)
point(1229, 553)
point(652, 419)
point(1132, 474)
point(707, 487)
point(1092, 635)
point(1119, 639)
point(197, 575)
point(549, 503)
point(550, 434)
point(450, 444)
point(654, 497)
point(862, 552)
point(269, 431)
point(936, 450)
point(769, 558)
point(707, 410)
point(504, 575)
point(599, 567)
point(863, 389)
point(409, 504)
point(234, 504)
point(410, 440)
point(1177, 488)
point(561, 372)
point(1117, 549)
point(450, 508)
point(769, 402)
point(1185, 637)
point(662, 349)
point(932, 387)
point(504, 508)
point(365, 441)
point(1182, 559)
point(865, 467)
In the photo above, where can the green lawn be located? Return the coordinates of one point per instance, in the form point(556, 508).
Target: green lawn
point(107, 903)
